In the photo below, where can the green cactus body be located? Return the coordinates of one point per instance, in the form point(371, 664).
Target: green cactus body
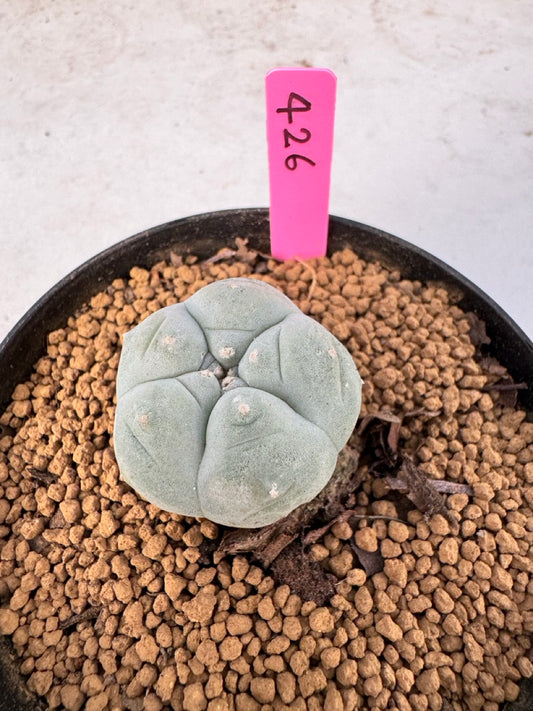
point(233, 405)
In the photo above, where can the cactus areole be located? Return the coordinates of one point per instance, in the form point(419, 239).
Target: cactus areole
point(233, 405)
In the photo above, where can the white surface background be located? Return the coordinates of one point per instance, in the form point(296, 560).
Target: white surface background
point(115, 117)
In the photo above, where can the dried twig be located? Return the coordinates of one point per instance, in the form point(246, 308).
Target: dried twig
point(45, 476)
point(221, 256)
point(90, 613)
point(452, 487)
point(503, 387)
point(243, 253)
point(421, 490)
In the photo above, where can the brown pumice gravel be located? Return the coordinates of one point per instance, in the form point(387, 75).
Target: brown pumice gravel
point(114, 604)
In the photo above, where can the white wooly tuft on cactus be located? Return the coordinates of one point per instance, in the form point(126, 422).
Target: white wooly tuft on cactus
point(233, 405)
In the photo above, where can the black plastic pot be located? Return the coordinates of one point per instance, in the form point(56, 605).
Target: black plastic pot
point(203, 235)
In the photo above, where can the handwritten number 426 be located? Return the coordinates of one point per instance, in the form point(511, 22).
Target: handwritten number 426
point(295, 104)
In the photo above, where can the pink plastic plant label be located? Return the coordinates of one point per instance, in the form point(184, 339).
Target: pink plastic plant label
point(300, 118)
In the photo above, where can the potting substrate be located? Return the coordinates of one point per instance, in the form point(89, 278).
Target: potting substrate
point(406, 585)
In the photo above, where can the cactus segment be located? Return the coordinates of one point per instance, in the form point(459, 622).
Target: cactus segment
point(233, 405)
point(260, 457)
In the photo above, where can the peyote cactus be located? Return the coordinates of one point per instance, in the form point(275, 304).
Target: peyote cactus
point(233, 405)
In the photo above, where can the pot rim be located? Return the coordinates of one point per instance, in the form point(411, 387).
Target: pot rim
point(204, 234)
